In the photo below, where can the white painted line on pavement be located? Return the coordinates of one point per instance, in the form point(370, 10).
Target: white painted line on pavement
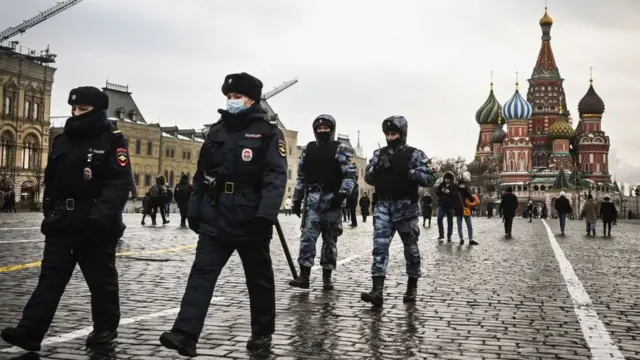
point(85, 331)
point(351, 258)
point(19, 241)
point(594, 331)
point(20, 228)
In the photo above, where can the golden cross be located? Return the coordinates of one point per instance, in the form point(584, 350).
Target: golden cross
point(517, 80)
point(491, 79)
point(590, 73)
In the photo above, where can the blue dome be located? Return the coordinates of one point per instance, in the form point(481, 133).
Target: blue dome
point(517, 108)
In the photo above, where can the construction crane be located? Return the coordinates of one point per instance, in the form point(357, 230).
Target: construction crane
point(278, 89)
point(42, 16)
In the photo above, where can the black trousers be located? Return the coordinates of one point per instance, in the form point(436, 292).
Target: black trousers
point(97, 263)
point(154, 212)
point(354, 217)
point(211, 256)
point(183, 213)
point(508, 224)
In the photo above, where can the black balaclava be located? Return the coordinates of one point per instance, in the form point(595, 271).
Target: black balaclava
point(324, 138)
point(396, 124)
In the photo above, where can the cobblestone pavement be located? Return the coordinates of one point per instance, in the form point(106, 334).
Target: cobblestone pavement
point(503, 299)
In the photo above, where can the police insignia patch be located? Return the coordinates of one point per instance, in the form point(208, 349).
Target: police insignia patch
point(122, 156)
point(247, 155)
point(282, 148)
point(352, 160)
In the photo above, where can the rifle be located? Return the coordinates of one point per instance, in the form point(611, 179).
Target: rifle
point(287, 253)
point(384, 159)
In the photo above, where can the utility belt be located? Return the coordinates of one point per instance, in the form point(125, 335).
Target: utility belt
point(219, 187)
point(396, 198)
point(70, 204)
point(320, 188)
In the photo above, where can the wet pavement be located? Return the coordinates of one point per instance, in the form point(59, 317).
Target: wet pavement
point(503, 299)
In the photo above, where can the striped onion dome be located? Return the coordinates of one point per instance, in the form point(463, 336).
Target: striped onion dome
point(498, 135)
point(489, 112)
point(477, 167)
point(517, 108)
point(561, 129)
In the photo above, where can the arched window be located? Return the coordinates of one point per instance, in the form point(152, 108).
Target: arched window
point(28, 103)
point(542, 188)
point(7, 149)
point(38, 106)
point(171, 174)
point(31, 153)
point(535, 188)
point(9, 101)
point(166, 175)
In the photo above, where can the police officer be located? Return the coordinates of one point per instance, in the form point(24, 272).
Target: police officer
point(86, 184)
point(326, 176)
point(396, 171)
point(237, 191)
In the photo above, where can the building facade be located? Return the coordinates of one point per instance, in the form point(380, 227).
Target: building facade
point(540, 154)
point(26, 79)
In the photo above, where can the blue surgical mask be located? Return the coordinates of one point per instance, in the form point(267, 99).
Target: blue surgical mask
point(235, 105)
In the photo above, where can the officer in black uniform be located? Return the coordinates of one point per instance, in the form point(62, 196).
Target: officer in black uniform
point(237, 191)
point(86, 184)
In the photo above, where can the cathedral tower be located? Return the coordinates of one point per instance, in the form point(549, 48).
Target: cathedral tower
point(561, 132)
point(516, 164)
point(545, 93)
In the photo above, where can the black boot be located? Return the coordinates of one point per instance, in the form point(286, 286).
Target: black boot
point(101, 337)
point(180, 341)
point(327, 284)
point(375, 296)
point(259, 342)
point(21, 338)
point(412, 290)
point(302, 281)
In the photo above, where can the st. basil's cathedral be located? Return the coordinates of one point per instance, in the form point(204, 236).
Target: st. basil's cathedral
point(540, 154)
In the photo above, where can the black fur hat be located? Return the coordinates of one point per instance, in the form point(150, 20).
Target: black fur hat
point(89, 95)
point(244, 84)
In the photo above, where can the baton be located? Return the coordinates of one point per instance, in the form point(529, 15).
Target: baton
point(287, 253)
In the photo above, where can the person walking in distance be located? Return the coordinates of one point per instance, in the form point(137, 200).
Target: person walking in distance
point(563, 207)
point(326, 176)
point(590, 215)
point(608, 214)
point(508, 207)
point(158, 194)
point(288, 205)
point(530, 210)
point(182, 193)
point(463, 211)
point(425, 208)
point(365, 204)
point(86, 184)
point(396, 171)
point(352, 204)
point(237, 193)
point(446, 201)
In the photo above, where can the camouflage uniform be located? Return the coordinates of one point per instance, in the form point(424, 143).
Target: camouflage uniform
point(398, 212)
point(324, 195)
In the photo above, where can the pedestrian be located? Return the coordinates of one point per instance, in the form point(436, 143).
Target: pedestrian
point(396, 171)
point(563, 207)
point(352, 204)
point(608, 214)
point(288, 204)
point(425, 207)
point(590, 215)
point(147, 207)
point(462, 210)
point(365, 204)
point(12, 201)
point(446, 201)
point(182, 193)
point(326, 176)
point(529, 212)
point(86, 183)
point(237, 192)
point(158, 194)
point(168, 200)
point(490, 205)
point(508, 207)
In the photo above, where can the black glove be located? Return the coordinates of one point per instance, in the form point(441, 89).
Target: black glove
point(297, 207)
point(337, 200)
point(261, 227)
point(49, 226)
point(194, 224)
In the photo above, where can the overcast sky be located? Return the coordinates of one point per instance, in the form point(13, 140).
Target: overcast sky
point(359, 60)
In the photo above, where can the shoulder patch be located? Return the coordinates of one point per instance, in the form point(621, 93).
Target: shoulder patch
point(352, 159)
point(282, 148)
point(122, 156)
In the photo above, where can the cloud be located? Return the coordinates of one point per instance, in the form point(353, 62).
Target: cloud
point(358, 60)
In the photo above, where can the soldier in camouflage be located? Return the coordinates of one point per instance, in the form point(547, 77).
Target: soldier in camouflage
point(326, 176)
point(396, 171)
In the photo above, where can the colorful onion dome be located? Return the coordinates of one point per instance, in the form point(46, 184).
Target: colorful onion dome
point(498, 135)
point(546, 20)
point(489, 112)
point(591, 103)
point(517, 108)
point(477, 167)
point(561, 129)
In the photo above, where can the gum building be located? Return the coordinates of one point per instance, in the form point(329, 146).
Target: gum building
point(26, 79)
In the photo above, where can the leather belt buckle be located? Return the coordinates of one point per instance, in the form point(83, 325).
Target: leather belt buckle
point(229, 187)
point(70, 205)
